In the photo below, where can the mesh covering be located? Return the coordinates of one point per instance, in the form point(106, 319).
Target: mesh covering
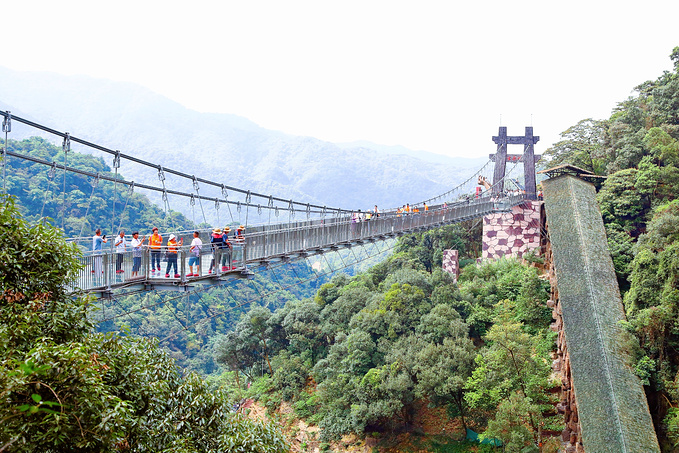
point(612, 406)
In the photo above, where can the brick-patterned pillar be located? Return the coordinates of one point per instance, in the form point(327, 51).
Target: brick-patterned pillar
point(451, 263)
point(512, 233)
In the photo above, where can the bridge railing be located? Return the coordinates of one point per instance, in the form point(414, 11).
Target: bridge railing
point(105, 269)
point(266, 242)
point(108, 269)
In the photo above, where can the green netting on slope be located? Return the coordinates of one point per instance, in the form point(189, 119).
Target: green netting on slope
point(612, 406)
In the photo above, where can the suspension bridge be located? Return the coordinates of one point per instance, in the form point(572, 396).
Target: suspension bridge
point(322, 228)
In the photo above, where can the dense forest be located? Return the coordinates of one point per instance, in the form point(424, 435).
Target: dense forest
point(358, 356)
point(637, 148)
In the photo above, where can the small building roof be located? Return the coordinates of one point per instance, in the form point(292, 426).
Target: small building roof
point(573, 170)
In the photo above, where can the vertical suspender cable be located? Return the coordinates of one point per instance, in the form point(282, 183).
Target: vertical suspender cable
point(248, 199)
point(50, 174)
point(200, 202)
point(66, 146)
point(225, 194)
point(130, 190)
point(6, 127)
point(192, 203)
point(166, 202)
point(116, 165)
point(94, 183)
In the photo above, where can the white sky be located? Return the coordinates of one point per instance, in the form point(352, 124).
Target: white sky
point(430, 75)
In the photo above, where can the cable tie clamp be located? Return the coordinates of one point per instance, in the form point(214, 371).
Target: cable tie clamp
point(276, 211)
point(7, 123)
point(224, 192)
point(164, 195)
point(248, 197)
point(116, 160)
point(195, 183)
point(95, 181)
point(259, 209)
point(53, 170)
point(217, 204)
point(238, 206)
point(66, 145)
point(161, 173)
point(192, 201)
point(130, 191)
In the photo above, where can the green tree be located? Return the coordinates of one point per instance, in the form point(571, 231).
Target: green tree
point(581, 145)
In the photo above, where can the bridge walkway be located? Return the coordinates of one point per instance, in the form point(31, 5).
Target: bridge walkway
point(101, 274)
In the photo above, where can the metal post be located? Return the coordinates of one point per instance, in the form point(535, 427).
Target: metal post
point(6, 128)
point(182, 267)
point(66, 146)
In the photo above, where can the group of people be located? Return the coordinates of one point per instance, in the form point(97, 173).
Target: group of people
point(219, 240)
point(406, 209)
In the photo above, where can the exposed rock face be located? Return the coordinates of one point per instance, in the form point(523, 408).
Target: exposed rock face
point(512, 233)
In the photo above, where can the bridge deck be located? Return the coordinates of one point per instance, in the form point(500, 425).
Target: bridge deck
point(103, 274)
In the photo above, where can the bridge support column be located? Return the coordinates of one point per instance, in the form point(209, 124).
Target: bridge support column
point(514, 233)
point(451, 263)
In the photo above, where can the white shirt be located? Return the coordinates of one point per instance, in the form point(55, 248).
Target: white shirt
point(196, 245)
point(120, 244)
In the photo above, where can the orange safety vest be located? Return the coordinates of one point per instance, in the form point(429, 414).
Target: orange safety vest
point(155, 241)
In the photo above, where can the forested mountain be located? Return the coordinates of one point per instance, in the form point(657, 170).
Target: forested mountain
point(87, 204)
point(637, 148)
point(224, 148)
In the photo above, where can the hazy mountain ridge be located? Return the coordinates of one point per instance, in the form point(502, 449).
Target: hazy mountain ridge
point(221, 147)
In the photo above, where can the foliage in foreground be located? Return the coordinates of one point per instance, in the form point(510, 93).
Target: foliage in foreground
point(65, 388)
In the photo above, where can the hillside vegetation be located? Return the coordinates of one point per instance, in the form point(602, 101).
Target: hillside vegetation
point(365, 351)
point(637, 148)
point(224, 148)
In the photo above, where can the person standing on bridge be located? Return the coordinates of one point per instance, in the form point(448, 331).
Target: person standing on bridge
point(136, 245)
point(226, 249)
point(97, 265)
point(155, 241)
point(172, 245)
point(216, 240)
point(121, 248)
point(194, 254)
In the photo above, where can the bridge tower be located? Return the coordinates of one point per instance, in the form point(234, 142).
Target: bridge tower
point(528, 158)
point(518, 232)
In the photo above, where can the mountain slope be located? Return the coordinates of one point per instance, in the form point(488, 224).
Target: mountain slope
point(225, 148)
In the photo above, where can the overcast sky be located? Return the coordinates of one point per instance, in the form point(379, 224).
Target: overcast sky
point(439, 76)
